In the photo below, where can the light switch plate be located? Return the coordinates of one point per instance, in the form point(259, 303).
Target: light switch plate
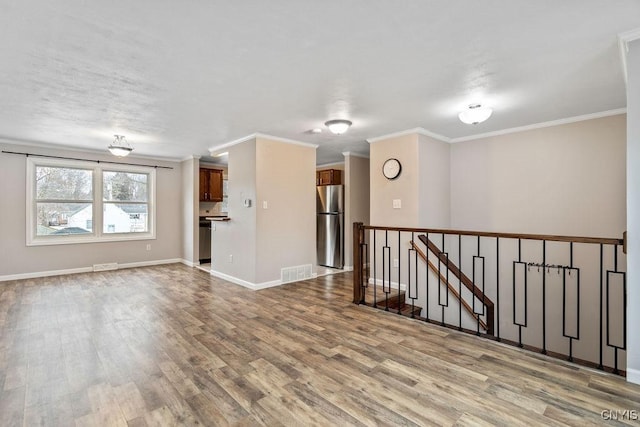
point(397, 203)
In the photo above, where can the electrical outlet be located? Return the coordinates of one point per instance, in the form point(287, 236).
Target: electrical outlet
point(230, 258)
point(396, 264)
point(397, 204)
point(148, 246)
point(265, 205)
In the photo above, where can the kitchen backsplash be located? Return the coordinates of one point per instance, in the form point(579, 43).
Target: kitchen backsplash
point(210, 208)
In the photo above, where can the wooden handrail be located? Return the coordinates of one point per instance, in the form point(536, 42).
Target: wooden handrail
point(453, 290)
point(468, 283)
point(552, 238)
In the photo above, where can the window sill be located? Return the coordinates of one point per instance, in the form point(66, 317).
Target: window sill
point(43, 241)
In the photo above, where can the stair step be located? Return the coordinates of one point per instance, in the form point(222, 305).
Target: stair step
point(407, 310)
point(394, 297)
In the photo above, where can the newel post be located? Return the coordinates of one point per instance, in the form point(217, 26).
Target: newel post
point(358, 239)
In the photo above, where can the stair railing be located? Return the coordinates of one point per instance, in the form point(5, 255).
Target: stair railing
point(562, 296)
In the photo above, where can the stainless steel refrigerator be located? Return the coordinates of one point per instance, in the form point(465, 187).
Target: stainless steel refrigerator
point(330, 225)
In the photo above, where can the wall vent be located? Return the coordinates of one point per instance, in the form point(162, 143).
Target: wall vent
point(293, 274)
point(105, 267)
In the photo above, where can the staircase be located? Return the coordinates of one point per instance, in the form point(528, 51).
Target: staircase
point(463, 278)
point(393, 300)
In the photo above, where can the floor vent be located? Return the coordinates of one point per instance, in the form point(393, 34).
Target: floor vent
point(105, 267)
point(293, 274)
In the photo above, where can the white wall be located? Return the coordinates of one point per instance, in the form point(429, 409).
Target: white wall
point(19, 259)
point(566, 180)
point(356, 184)
point(633, 212)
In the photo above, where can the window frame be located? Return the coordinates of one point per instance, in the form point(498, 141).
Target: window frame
point(97, 235)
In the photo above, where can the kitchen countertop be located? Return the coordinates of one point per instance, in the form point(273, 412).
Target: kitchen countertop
point(217, 218)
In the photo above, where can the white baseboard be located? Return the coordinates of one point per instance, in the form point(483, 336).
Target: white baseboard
point(348, 268)
point(246, 284)
point(394, 285)
point(188, 263)
point(36, 274)
point(633, 376)
point(149, 263)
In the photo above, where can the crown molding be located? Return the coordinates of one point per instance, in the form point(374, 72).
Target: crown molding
point(623, 44)
point(568, 120)
point(257, 135)
point(422, 131)
point(232, 143)
point(348, 153)
point(419, 131)
point(286, 140)
point(326, 165)
point(52, 146)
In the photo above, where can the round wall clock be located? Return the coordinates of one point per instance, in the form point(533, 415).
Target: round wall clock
point(391, 168)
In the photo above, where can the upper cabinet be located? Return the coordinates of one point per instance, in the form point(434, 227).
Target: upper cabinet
point(329, 177)
point(211, 185)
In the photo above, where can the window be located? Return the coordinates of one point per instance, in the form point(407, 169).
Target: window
point(125, 202)
point(75, 202)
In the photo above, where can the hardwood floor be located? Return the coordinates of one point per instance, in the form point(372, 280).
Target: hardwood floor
point(170, 345)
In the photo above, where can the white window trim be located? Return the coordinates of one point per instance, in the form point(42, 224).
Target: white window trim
point(98, 235)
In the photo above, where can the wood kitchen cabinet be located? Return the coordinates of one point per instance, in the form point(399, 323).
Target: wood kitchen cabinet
point(329, 177)
point(211, 185)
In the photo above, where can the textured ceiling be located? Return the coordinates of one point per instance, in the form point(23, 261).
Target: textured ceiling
point(181, 77)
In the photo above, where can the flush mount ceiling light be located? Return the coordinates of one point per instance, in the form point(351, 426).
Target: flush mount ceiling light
point(338, 126)
point(475, 114)
point(120, 147)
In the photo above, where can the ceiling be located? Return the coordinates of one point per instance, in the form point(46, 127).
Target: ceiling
point(180, 78)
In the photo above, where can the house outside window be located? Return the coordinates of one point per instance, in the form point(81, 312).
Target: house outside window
point(79, 202)
point(125, 201)
point(59, 194)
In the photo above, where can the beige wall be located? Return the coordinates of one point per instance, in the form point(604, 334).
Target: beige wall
point(567, 179)
point(189, 200)
point(405, 187)
point(19, 259)
point(434, 187)
point(286, 229)
point(356, 182)
point(423, 186)
point(237, 238)
point(262, 241)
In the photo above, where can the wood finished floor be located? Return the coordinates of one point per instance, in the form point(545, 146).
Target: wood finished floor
point(170, 345)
